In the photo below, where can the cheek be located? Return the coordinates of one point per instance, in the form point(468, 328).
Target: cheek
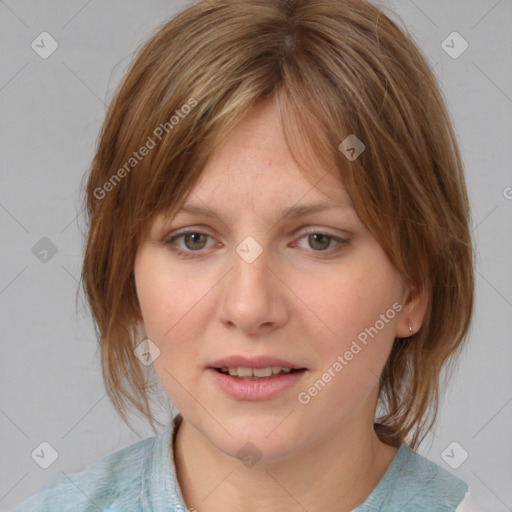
point(353, 317)
point(156, 291)
point(349, 300)
point(354, 346)
point(164, 313)
point(164, 295)
point(155, 302)
point(172, 305)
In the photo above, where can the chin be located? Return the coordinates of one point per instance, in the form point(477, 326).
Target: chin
point(257, 440)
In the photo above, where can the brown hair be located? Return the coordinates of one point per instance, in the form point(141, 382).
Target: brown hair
point(335, 68)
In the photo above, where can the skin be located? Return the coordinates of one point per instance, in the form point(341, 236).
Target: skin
point(292, 302)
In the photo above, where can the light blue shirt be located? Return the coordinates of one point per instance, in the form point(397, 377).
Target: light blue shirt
point(142, 477)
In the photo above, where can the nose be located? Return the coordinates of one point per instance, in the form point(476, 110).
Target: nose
point(253, 297)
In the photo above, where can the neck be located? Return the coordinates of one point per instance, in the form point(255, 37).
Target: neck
point(338, 474)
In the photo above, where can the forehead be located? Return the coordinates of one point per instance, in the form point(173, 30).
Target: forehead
point(238, 190)
point(254, 164)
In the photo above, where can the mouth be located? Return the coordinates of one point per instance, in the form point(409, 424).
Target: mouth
point(248, 373)
point(255, 378)
point(248, 383)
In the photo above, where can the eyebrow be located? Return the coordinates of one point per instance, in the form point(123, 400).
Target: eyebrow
point(292, 212)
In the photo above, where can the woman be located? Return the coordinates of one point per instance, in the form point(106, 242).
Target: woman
point(279, 228)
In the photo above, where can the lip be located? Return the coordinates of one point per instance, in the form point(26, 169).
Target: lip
point(255, 390)
point(254, 362)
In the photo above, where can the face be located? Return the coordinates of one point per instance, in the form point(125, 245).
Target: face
point(314, 292)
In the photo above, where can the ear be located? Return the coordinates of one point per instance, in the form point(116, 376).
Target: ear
point(413, 311)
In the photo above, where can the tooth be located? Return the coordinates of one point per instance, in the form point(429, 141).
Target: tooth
point(262, 372)
point(244, 372)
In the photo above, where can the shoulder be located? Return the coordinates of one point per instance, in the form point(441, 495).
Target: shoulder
point(413, 483)
point(424, 485)
point(113, 483)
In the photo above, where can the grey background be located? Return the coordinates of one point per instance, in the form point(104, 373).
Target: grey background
point(52, 109)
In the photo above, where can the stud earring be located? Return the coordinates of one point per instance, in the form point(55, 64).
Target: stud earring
point(410, 327)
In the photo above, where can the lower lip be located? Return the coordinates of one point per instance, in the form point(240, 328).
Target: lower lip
point(256, 389)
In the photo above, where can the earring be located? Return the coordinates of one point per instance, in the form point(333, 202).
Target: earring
point(410, 327)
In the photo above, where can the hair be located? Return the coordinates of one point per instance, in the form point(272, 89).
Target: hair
point(334, 68)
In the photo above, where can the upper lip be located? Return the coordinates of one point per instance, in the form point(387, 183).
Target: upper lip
point(253, 362)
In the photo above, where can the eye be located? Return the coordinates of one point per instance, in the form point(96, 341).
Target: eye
point(320, 242)
point(195, 241)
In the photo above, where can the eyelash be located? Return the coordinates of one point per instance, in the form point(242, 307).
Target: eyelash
point(170, 242)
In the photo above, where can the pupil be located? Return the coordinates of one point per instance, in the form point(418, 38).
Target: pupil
point(194, 241)
point(317, 236)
